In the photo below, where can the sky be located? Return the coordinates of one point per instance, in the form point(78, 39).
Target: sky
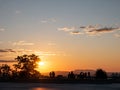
point(65, 34)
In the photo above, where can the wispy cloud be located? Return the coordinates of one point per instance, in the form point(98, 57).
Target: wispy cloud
point(8, 61)
point(39, 52)
point(71, 30)
point(94, 30)
point(91, 30)
point(75, 33)
point(48, 20)
point(2, 29)
point(66, 29)
point(7, 54)
point(44, 53)
point(7, 50)
point(22, 43)
point(44, 21)
point(29, 51)
point(10, 54)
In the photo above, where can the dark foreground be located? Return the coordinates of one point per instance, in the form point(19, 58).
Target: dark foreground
point(64, 81)
point(39, 86)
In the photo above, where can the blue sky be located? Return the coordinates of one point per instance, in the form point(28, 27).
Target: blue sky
point(83, 30)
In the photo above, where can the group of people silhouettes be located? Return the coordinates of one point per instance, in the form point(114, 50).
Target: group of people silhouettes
point(52, 74)
point(82, 75)
point(71, 75)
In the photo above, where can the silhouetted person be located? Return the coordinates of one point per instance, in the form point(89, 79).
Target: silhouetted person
point(115, 76)
point(71, 75)
point(52, 74)
point(89, 76)
point(85, 75)
point(81, 75)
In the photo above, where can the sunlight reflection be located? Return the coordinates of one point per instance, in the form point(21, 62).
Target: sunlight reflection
point(42, 89)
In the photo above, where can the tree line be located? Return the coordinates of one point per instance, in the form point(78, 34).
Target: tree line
point(25, 68)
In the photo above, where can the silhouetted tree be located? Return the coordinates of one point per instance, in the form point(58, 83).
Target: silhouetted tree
point(16, 66)
point(36, 74)
point(27, 65)
point(101, 74)
point(5, 71)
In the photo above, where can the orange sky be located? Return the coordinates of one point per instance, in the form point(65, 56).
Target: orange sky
point(65, 35)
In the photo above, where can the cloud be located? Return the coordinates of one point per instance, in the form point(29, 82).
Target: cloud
point(102, 30)
point(6, 50)
point(10, 54)
point(2, 29)
point(75, 33)
point(23, 43)
point(8, 61)
point(91, 30)
point(7, 53)
point(49, 20)
point(71, 30)
point(66, 29)
point(94, 30)
point(43, 53)
point(44, 21)
point(29, 51)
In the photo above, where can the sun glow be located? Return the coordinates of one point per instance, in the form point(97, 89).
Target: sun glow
point(42, 66)
point(41, 63)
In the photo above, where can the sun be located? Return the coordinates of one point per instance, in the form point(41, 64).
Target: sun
point(42, 66)
point(41, 63)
